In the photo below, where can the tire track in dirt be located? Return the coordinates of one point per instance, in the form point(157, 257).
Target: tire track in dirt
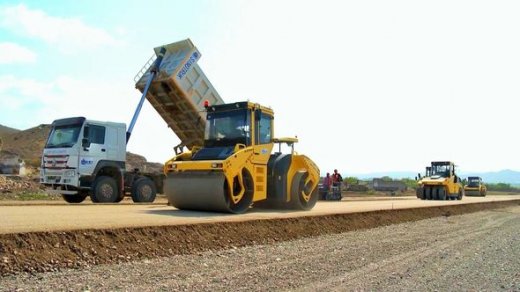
point(455, 237)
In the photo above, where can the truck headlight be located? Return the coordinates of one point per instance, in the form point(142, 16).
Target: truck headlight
point(69, 173)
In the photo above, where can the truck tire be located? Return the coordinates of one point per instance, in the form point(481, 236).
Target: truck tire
point(144, 190)
point(105, 190)
point(120, 198)
point(74, 199)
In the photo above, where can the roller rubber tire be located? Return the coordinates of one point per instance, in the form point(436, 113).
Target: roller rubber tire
point(428, 193)
point(435, 193)
point(442, 194)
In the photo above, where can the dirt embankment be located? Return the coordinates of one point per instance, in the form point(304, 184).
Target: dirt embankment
point(51, 251)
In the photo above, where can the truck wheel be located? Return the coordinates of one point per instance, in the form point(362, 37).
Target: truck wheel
point(144, 191)
point(74, 199)
point(105, 190)
point(120, 198)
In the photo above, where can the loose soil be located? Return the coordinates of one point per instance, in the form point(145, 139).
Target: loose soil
point(52, 251)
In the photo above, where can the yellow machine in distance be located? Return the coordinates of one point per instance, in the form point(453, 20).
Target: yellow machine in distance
point(440, 183)
point(475, 187)
point(235, 169)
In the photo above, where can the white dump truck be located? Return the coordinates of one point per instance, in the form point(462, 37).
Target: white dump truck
point(84, 158)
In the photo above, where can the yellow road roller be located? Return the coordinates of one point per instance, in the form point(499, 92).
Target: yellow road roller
point(475, 187)
point(440, 183)
point(236, 168)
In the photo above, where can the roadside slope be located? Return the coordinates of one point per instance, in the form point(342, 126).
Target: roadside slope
point(470, 252)
point(50, 251)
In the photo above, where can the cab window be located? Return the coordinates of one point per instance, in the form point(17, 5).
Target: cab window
point(264, 129)
point(95, 134)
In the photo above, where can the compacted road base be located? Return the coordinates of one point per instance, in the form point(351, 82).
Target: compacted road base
point(477, 251)
point(59, 216)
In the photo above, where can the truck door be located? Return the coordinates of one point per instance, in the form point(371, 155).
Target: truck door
point(93, 148)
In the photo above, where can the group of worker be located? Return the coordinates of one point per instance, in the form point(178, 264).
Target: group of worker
point(332, 182)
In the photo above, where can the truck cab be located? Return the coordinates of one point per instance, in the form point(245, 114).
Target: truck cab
point(85, 157)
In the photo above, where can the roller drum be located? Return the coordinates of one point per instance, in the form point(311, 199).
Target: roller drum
point(201, 191)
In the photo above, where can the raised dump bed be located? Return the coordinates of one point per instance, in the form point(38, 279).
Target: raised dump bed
point(179, 91)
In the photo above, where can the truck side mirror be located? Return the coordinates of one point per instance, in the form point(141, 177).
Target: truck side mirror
point(419, 176)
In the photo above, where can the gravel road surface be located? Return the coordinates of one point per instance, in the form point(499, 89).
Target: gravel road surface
point(60, 217)
point(477, 251)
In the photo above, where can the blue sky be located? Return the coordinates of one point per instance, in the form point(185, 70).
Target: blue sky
point(366, 85)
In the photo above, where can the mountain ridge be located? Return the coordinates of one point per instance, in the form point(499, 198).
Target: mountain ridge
point(501, 176)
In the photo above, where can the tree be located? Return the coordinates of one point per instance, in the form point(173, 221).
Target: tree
point(351, 180)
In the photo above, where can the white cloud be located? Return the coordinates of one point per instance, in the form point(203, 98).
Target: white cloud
point(67, 34)
point(37, 102)
point(14, 53)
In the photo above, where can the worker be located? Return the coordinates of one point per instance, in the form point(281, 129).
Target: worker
point(327, 181)
point(337, 179)
point(325, 186)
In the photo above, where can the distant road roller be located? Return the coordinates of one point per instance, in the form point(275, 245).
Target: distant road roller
point(475, 187)
point(440, 183)
point(234, 168)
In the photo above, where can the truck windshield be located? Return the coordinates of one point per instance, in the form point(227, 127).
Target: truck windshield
point(63, 136)
point(442, 170)
point(227, 128)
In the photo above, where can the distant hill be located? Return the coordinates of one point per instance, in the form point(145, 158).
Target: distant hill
point(29, 144)
point(4, 131)
point(502, 176)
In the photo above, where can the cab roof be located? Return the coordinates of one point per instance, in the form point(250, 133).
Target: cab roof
point(240, 105)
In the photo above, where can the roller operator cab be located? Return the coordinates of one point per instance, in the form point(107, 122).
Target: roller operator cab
point(235, 169)
point(84, 157)
point(475, 187)
point(440, 183)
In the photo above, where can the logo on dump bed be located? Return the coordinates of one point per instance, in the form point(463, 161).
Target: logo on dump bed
point(192, 60)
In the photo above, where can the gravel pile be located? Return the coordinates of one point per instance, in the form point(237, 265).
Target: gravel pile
point(477, 251)
point(11, 184)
